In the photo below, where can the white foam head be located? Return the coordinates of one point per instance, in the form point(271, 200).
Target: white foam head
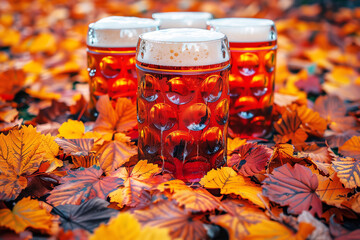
point(118, 31)
point(183, 47)
point(245, 29)
point(182, 19)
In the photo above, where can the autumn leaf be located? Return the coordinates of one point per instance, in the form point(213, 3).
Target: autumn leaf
point(76, 147)
point(12, 80)
point(348, 170)
point(311, 121)
point(51, 151)
point(233, 143)
point(118, 119)
point(337, 139)
point(321, 231)
point(72, 129)
point(196, 200)
point(81, 185)
point(115, 153)
point(173, 186)
point(166, 214)
point(355, 203)
point(250, 158)
point(275, 230)
point(88, 215)
point(294, 187)
point(288, 128)
point(125, 226)
point(137, 183)
point(351, 148)
point(317, 154)
point(331, 191)
point(21, 153)
point(26, 213)
point(239, 220)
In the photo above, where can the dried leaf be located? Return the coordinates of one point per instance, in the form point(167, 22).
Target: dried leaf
point(294, 187)
point(288, 128)
point(321, 232)
point(217, 178)
point(348, 170)
point(233, 143)
point(351, 148)
point(81, 185)
point(311, 121)
point(51, 151)
point(76, 147)
point(167, 215)
point(26, 213)
point(173, 186)
point(250, 158)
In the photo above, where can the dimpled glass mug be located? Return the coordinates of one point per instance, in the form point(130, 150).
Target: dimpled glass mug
point(253, 53)
point(111, 43)
point(182, 19)
point(183, 101)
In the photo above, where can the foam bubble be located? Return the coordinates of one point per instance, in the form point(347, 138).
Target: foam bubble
point(182, 19)
point(118, 31)
point(245, 29)
point(183, 47)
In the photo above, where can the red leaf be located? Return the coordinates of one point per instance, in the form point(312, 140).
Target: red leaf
point(294, 187)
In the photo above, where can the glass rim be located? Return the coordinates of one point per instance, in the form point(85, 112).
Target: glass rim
point(181, 15)
point(240, 22)
point(147, 23)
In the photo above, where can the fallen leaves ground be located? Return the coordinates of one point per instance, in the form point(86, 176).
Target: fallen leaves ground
point(66, 176)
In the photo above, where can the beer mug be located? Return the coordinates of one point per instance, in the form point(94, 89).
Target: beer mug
point(183, 101)
point(111, 52)
point(182, 19)
point(253, 53)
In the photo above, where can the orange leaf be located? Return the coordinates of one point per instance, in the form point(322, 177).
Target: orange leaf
point(26, 213)
point(311, 121)
point(232, 144)
point(167, 215)
point(197, 200)
point(317, 154)
point(351, 147)
point(12, 80)
point(288, 128)
point(348, 170)
point(172, 186)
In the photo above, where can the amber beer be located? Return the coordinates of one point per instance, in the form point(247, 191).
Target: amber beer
point(183, 101)
point(182, 19)
point(111, 52)
point(253, 52)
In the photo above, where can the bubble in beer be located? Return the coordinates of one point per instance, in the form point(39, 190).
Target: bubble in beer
point(141, 110)
point(211, 88)
point(248, 63)
point(110, 66)
point(100, 86)
point(179, 144)
point(259, 85)
point(222, 112)
point(270, 61)
point(163, 116)
point(211, 140)
point(179, 91)
point(149, 87)
point(196, 117)
point(149, 141)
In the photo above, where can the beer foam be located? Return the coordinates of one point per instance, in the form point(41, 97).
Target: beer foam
point(182, 19)
point(245, 29)
point(183, 47)
point(118, 31)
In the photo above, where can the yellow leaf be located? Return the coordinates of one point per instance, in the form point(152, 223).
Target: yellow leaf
point(275, 230)
point(232, 144)
point(26, 213)
point(72, 129)
point(217, 178)
point(348, 170)
point(144, 170)
point(33, 67)
point(44, 42)
point(51, 151)
point(21, 152)
point(126, 227)
point(173, 186)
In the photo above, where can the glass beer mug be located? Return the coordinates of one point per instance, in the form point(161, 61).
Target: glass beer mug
point(111, 52)
point(182, 19)
point(183, 101)
point(253, 53)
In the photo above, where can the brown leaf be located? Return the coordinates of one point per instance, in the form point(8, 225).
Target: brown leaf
point(288, 128)
point(351, 148)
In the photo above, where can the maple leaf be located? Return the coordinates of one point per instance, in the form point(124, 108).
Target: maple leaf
point(250, 158)
point(294, 187)
point(288, 128)
point(26, 213)
point(88, 215)
point(238, 221)
point(197, 200)
point(331, 191)
point(81, 185)
point(125, 226)
point(275, 230)
point(229, 182)
point(166, 214)
point(115, 153)
point(351, 148)
point(348, 170)
point(137, 183)
point(111, 120)
point(21, 153)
